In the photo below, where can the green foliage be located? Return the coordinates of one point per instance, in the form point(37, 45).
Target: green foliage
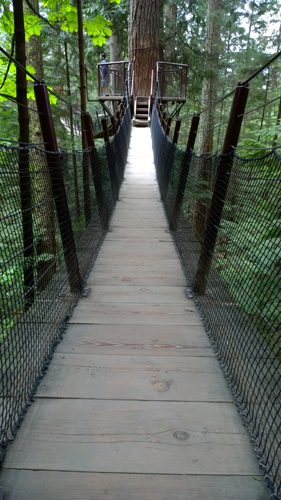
point(32, 26)
point(248, 255)
point(98, 29)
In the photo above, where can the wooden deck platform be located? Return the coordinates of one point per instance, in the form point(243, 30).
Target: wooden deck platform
point(134, 405)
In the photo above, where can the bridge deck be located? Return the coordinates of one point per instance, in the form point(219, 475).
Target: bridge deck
point(134, 405)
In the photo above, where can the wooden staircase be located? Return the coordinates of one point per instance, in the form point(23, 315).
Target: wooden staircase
point(141, 112)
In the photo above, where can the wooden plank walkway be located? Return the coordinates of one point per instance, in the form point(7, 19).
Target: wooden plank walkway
point(134, 404)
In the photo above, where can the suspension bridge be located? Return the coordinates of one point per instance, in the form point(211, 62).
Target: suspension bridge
point(135, 360)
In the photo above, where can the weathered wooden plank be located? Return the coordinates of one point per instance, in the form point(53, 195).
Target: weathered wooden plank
point(143, 205)
point(137, 294)
point(163, 272)
point(147, 264)
point(130, 276)
point(135, 314)
point(137, 234)
point(137, 339)
point(49, 485)
point(119, 377)
point(137, 194)
point(145, 210)
point(143, 437)
point(126, 221)
point(150, 250)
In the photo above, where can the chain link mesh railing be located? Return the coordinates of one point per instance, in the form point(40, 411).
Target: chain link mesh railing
point(37, 261)
point(241, 304)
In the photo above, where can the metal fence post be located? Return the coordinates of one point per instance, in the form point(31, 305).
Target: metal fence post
point(184, 171)
point(168, 126)
point(220, 189)
point(96, 169)
point(111, 163)
point(59, 193)
point(176, 131)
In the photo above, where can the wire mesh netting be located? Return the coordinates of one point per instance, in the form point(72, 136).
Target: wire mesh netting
point(171, 80)
point(241, 304)
point(38, 261)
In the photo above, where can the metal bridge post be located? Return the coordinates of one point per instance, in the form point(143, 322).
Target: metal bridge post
point(59, 193)
point(113, 124)
point(176, 131)
point(111, 162)
point(184, 171)
point(220, 189)
point(96, 169)
point(168, 126)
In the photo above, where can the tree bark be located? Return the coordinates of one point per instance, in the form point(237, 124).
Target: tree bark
point(23, 158)
point(144, 41)
point(171, 30)
point(83, 104)
point(208, 98)
point(71, 122)
point(44, 210)
point(114, 49)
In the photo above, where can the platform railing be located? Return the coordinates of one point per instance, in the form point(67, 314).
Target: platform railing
point(113, 79)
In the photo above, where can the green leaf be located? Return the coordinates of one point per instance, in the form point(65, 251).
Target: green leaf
point(98, 29)
point(32, 26)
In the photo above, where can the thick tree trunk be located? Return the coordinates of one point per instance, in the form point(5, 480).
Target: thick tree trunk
point(209, 96)
point(171, 30)
point(114, 49)
point(24, 175)
point(83, 104)
point(144, 41)
point(44, 210)
point(114, 54)
point(71, 122)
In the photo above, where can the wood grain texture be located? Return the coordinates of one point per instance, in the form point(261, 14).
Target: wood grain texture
point(135, 314)
point(153, 378)
point(138, 294)
point(46, 485)
point(136, 340)
point(132, 437)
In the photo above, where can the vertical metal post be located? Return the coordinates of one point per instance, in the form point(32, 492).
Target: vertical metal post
point(176, 131)
point(105, 130)
point(184, 171)
point(168, 126)
point(113, 124)
point(220, 189)
point(111, 162)
point(96, 170)
point(59, 193)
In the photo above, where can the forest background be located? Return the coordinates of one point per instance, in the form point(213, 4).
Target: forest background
point(222, 42)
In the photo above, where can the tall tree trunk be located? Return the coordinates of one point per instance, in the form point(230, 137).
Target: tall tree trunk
point(144, 41)
point(210, 83)
point(114, 49)
point(44, 211)
point(208, 98)
point(171, 30)
point(24, 175)
point(71, 122)
point(83, 104)
point(278, 121)
point(114, 54)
